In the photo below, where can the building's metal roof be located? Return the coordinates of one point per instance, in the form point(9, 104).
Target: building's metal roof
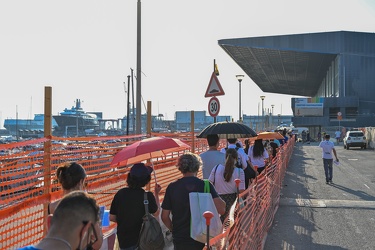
point(291, 64)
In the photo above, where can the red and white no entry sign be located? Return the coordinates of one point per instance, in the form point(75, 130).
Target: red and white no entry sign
point(213, 106)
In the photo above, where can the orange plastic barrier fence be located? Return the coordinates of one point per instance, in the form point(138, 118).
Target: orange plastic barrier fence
point(247, 226)
point(24, 195)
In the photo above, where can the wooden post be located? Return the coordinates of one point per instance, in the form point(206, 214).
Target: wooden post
point(149, 118)
point(148, 132)
point(47, 148)
point(192, 132)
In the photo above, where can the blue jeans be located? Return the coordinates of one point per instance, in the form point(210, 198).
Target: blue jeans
point(328, 170)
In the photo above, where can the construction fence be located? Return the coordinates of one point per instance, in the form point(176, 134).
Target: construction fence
point(28, 184)
point(250, 219)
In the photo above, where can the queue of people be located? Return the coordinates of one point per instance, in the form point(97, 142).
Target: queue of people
point(74, 221)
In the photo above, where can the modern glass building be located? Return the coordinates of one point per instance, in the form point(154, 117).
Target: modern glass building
point(335, 71)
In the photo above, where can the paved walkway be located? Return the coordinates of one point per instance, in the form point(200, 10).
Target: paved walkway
point(314, 215)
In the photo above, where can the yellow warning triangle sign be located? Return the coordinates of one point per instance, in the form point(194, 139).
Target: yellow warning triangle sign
point(214, 88)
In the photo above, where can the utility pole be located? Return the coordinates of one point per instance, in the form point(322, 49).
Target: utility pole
point(133, 108)
point(128, 107)
point(272, 122)
point(139, 72)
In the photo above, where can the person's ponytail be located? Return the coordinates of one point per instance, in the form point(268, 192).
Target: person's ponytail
point(231, 156)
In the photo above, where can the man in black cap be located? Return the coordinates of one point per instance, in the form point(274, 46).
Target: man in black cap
point(127, 208)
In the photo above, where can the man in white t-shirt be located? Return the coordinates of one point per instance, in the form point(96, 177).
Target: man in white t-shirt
point(327, 149)
point(338, 136)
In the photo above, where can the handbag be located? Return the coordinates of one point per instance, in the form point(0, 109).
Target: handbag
point(200, 203)
point(151, 236)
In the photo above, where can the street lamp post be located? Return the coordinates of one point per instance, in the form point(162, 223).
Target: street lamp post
point(262, 98)
point(239, 78)
point(272, 105)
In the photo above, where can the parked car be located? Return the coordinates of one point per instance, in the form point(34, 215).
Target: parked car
point(355, 139)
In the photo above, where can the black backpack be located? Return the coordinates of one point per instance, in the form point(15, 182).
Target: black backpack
point(151, 236)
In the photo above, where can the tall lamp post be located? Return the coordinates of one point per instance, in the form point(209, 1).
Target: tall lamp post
point(239, 78)
point(272, 105)
point(262, 98)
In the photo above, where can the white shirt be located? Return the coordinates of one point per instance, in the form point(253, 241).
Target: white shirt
point(327, 147)
point(241, 154)
point(223, 187)
point(338, 134)
point(210, 159)
point(258, 161)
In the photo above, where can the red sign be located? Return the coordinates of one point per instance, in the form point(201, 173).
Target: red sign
point(339, 116)
point(213, 107)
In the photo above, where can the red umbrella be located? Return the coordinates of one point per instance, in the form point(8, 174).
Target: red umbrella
point(147, 149)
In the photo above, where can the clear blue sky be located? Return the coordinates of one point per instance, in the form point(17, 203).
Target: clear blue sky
point(85, 49)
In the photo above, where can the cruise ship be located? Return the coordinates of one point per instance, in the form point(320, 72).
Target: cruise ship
point(76, 118)
point(13, 125)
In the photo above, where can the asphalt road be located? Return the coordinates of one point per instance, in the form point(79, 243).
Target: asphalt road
point(314, 215)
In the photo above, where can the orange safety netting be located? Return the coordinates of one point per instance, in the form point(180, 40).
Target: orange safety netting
point(249, 221)
point(27, 184)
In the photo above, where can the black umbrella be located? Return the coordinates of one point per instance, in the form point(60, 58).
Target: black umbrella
point(227, 130)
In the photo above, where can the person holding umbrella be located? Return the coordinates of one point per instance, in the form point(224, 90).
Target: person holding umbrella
point(176, 202)
point(127, 208)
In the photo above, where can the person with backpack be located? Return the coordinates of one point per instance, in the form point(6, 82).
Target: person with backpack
point(241, 153)
point(242, 162)
point(128, 209)
point(223, 176)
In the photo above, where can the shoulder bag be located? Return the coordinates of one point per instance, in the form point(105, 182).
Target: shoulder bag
point(200, 203)
point(151, 235)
